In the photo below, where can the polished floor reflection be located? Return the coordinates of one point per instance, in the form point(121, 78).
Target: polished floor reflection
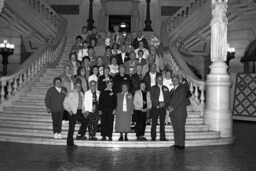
point(240, 156)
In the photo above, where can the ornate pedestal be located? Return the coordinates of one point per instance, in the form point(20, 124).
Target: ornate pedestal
point(217, 114)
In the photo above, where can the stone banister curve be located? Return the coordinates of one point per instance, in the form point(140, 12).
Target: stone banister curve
point(45, 10)
point(183, 13)
point(12, 85)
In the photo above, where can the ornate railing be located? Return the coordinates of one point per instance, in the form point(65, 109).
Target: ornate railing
point(45, 10)
point(179, 66)
point(11, 86)
point(178, 18)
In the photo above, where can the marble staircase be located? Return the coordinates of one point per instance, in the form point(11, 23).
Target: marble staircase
point(25, 120)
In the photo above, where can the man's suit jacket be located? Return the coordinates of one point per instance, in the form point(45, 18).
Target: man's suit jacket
point(135, 43)
point(120, 59)
point(147, 79)
point(178, 101)
point(142, 62)
point(155, 93)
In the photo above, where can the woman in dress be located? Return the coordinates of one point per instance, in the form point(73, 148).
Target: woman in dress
point(124, 111)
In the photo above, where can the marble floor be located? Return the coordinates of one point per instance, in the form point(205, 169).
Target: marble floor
point(240, 156)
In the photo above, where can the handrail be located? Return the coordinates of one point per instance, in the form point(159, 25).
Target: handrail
point(45, 10)
point(178, 18)
point(46, 54)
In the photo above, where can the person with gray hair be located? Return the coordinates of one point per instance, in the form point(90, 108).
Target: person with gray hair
point(90, 106)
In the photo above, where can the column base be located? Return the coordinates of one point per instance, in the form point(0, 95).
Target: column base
point(217, 112)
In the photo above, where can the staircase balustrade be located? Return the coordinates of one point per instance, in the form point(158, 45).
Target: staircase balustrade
point(12, 85)
point(177, 19)
point(45, 10)
point(197, 87)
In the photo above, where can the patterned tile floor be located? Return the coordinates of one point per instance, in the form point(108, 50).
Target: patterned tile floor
point(240, 156)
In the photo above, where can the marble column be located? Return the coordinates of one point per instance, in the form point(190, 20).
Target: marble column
point(103, 16)
point(217, 110)
point(135, 21)
point(148, 20)
point(90, 20)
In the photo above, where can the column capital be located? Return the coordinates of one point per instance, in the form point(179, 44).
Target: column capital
point(219, 1)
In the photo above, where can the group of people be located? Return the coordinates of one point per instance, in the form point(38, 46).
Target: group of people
point(123, 79)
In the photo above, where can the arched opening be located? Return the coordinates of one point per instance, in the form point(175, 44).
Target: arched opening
point(249, 58)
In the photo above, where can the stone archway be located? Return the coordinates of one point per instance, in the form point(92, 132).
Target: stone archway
point(249, 58)
point(114, 7)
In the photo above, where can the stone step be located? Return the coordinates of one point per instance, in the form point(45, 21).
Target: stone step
point(131, 136)
point(36, 120)
point(40, 115)
point(114, 144)
point(48, 126)
point(45, 117)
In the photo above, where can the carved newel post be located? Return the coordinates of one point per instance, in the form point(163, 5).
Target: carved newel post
point(217, 111)
point(90, 20)
point(148, 20)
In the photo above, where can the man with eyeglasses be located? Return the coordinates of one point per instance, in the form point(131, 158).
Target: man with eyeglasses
point(90, 106)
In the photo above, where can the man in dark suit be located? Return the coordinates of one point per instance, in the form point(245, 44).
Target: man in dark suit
point(150, 77)
point(178, 112)
point(160, 98)
point(139, 38)
point(123, 56)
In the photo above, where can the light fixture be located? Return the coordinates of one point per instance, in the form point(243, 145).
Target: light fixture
point(123, 25)
point(6, 49)
point(230, 54)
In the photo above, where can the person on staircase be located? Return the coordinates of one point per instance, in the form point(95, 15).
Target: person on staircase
point(167, 81)
point(73, 104)
point(78, 44)
point(104, 79)
point(90, 104)
point(107, 106)
point(67, 81)
point(119, 79)
point(142, 104)
point(184, 83)
point(84, 34)
point(116, 36)
point(83, 52)
point(160, 98)
point(81, 74)
point(141, 47)
point(54, 103)
point(86, 65)
point(73, 63)
point(124, 111)
point(123, 56)
point(178, 112)
point(115, 49)
point(138, 39)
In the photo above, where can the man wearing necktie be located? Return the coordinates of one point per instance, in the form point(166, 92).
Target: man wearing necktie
point(160, 98)
point(178, 113)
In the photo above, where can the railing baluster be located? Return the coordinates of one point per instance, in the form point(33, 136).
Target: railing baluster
point(20, 82)
point(9, 89)
point(3, 83)
point(196, 94)
point(14, 86)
